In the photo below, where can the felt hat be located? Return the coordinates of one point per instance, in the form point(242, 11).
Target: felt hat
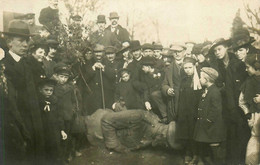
point(113, 15)
point(197, 49)
point(147, 46)
point(217, 42)
point(241, 38)
point(25, 16)
point(157, 46)
point(110, 50)
point(212, 73)
point(101, 19)
point(18, 28)
point(135, 45)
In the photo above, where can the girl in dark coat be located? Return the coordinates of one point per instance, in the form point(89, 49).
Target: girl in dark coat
point(209, 129)
point(190, 93)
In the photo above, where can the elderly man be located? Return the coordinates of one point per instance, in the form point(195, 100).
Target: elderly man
point(23, 97)
point(129, 130)
point(120, 32)
point(103, 36)
point(173, 76)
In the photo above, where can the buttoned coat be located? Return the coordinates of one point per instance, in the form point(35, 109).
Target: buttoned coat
point(209, 126)
point(121, 33)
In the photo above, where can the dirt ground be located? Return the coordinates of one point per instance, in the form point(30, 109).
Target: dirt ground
point(149, 156)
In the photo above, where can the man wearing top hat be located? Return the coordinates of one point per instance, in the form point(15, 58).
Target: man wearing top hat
point(120, 32)
point(23, 96)
point(103, 36)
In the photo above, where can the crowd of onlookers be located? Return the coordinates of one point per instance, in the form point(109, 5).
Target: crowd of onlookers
point(211, 90)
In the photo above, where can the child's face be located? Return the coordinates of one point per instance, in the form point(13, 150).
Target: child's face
point(188, 68)
point(251, 71)
point(125, 77)
point(62, 79)
point(203, 79)
point(39, 54)
point(46, 91)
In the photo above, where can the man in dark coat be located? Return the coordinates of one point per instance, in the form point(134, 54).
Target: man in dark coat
point(103, 36)
point(100, 79)
point(19, 74)
point(173, 76)
point(120, 32)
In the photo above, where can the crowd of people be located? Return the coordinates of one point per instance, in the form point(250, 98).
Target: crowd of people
point(210, 91)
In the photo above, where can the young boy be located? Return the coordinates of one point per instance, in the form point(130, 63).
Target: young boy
point(209, 130)
point(126, 92)
point(69, 105)
point(52, 123)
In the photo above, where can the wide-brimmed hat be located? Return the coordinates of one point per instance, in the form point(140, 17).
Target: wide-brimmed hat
point(113, 15)
point(217, 42)
point(135, 45)
point(241, 38)
point(110, 50)
point(171, 139)
point(101, 19)
point(18, 28)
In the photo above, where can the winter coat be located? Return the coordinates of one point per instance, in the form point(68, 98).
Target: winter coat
point(188, 109)
point(121, 33)
point(209, 126)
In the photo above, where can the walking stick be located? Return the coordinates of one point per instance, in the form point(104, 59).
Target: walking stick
point(102, 88)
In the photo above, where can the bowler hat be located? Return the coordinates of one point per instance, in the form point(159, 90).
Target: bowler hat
point(217, 42)
point(98, 48)
point(110, 50)
point(172, 142)
point(147, 46)
point(101, 19)
point(123, 49)
point(241, 38)
point(113, 15)
point(212, 73)
point(76, 17)
point(135, 45)
point(149, 61)
point(18, 28)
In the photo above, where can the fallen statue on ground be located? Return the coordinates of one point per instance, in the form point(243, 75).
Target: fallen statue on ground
point(128, 130)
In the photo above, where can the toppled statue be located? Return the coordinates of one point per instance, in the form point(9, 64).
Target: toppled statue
point(129, 130)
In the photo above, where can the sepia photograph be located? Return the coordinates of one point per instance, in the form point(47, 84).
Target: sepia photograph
point(130, 82)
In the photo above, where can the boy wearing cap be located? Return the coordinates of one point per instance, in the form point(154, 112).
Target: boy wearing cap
point(209, 129)
point(120, 32)
point(52, 121)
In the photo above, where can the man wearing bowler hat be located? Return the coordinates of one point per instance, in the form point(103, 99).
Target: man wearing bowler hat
point(103, 36)
point(120, 32)
point(23, 96)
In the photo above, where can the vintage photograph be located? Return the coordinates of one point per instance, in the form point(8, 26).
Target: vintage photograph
point(130, 82)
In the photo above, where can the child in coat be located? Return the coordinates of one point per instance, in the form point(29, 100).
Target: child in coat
point(52, 123)
point(209, 129)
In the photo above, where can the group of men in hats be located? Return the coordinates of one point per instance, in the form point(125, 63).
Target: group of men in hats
point(185, 95)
